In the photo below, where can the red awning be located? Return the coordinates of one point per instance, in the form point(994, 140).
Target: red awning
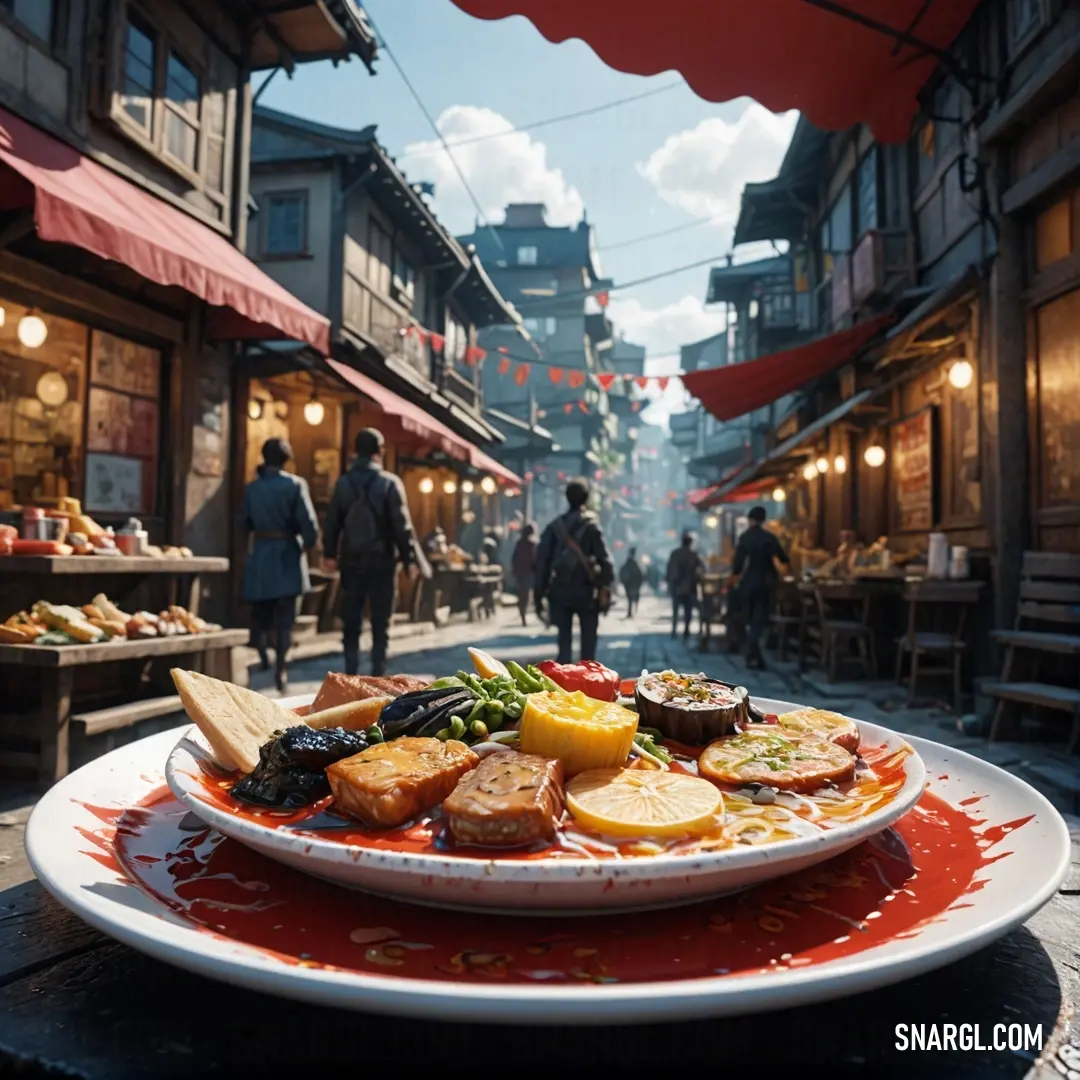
point(404, 417)
point(77, 201)
point(788, 54)
point(737, 389)
point(751, 491)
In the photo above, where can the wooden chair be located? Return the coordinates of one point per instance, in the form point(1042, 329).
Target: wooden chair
point(921, 643)
point(838, 634)
point(1049, 598)
point(787, 620)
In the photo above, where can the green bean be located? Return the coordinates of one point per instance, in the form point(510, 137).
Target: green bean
point(477, 711)
point(443, 735)
point(513, 711)
point(495, 714)
point(457, 727)
point(479, 729)
point(375, 734)
point(524, 679)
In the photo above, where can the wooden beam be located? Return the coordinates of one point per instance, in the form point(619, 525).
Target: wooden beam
point(1054, 171)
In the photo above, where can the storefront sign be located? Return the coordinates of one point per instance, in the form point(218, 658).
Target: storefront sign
point(913, 473)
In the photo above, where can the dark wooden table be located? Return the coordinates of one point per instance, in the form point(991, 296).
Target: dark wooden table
point(74, 1003)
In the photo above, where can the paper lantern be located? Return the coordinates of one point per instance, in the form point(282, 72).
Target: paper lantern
point(504, 366)
point(555, 374)
point(521, 374)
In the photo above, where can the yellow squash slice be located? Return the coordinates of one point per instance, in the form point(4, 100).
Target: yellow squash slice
point(487, 666)
point(581, 732)
point(641, 803)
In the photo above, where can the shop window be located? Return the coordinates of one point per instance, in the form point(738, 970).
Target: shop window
point(542, 328)
point(404, 281)
point(527, 256)
point(840, 222)
point(1053, 235)
point(122, 427)
point(1025, 18)
point(182, 97)
point(286, 223)
point(42, 396)
point(457, 340)
point(35, 15)
point(866, 181)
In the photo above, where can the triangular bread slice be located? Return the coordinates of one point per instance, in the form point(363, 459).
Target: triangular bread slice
point(235, 721)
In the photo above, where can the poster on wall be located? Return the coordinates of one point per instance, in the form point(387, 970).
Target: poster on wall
point(913, 473)
point(123, 365)
point(114, 484)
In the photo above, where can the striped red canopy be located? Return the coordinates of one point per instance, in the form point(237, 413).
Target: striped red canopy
point(833, 60)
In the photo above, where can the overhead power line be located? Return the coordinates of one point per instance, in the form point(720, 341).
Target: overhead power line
point(562, 118)
point(654, 235)
point(435, 127)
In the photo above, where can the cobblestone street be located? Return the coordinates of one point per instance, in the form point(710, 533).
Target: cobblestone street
point(629, 646)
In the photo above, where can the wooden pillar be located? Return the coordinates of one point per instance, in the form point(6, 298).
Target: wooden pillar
point(1004, 411)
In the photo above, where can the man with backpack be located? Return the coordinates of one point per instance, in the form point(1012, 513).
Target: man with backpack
point(368, 533)
point(574, 573)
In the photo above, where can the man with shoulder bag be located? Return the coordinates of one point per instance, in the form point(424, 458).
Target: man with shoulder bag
point(368, 534)
point(574, 574)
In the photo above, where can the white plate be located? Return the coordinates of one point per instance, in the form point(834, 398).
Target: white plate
point(62, 832)
point(569, 885)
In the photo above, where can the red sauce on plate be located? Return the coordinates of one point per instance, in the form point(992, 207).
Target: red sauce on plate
point(889, 887)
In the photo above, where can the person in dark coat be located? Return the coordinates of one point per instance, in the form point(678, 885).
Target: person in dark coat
point(523, 567)
point(684, 570)
point(369, 533)
point(282, 527)
point(756, 555)
point(572, 584)
point(631, 578)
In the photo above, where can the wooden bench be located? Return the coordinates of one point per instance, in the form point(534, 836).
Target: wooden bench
point(1049, 601)
point(216, 654)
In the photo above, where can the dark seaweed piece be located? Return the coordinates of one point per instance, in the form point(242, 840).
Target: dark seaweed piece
point(315, 749)
point(404, 707)
point(418, 720)
point(440, 717)
point(289, 788)
point(290, 770)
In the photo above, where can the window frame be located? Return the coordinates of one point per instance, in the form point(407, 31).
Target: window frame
point(873, 157)
point(1017, 42)
point(534, 261)
point(302, 195)
point(154, 141)
point(9, 18)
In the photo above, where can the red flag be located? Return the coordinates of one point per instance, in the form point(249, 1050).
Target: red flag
point(473, 355)
point(562, 476)
point(663, 381)
point(603, 297)
point(583, 407)
point(555, 375)
point(606, 381)
point(521, 374)
point(438, 342)
point(504, 365)
point(641, 380)
point(575, 379)
point(568, 408)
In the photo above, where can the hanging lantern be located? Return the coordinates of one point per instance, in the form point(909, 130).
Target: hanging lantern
point(555, 374)
point(314, 411)
point(449, 487)
point(467, 487)
point(426, 486)
point(504, 365)
point(32, 331)
point(961, 374)
point(488, 485)
point(874, 456)
point(521, 374)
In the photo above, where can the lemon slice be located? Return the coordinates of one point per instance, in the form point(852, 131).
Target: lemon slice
point(639, 802)
point(487, 667)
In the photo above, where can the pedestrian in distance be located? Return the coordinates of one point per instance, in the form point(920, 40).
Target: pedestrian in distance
point(684, 570)
point(631, 578)
point(523, 566)
point(574, 573)
point(756, 555)
point(282, 527)
point(369, 534)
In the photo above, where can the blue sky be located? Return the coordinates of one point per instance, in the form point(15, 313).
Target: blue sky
point(643, 167)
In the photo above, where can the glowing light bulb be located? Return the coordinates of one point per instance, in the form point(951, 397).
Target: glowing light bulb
point(449, 487)
point(488, 485)
point(427, 486)
point(874, 456)
point(32, 331)
point(810, 471)
point(779, 495)
point(961, 374)
point(712, 521)
point(255, 409)
point(840, 463)
point(467, 487)
point(314, 412)
point(822, 465)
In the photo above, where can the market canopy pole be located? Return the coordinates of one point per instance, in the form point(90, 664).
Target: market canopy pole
point(839, 63)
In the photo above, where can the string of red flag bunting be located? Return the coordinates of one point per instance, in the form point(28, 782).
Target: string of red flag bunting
point(521, 370)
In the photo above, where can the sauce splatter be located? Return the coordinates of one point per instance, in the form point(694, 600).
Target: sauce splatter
point(886, 888)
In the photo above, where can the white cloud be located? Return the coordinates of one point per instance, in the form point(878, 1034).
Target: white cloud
point(703, 170)
point(508, 169)
point(663, 330)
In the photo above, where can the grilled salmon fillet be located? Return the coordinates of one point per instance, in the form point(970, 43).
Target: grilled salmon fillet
point(338, 689)
point(391, 783)
point(509, 799)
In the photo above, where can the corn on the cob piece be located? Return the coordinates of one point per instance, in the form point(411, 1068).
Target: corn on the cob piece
point(581, 732)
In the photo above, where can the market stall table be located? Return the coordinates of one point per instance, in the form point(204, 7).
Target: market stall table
point(75, 1003)
point(42, 699)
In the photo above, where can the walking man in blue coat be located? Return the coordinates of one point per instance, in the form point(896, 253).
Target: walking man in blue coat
point(282, 527)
